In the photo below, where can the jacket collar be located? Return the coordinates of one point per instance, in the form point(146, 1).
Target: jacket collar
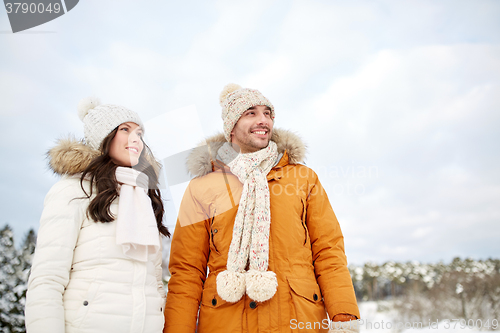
point(202, 160)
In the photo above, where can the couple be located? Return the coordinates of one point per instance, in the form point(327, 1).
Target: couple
point(256, 248)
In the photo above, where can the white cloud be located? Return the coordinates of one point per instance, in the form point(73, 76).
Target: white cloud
point(406, 113)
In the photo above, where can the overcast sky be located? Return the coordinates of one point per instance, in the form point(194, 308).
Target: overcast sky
point(398, 102)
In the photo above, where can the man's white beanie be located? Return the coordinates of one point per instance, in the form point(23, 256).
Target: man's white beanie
point(235, 100)
point(100, 120)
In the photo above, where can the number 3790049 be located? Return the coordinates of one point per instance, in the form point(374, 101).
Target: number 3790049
point(471, 323)
point(23, 7)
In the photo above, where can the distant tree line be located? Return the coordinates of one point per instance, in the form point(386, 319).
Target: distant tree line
point(464, 288)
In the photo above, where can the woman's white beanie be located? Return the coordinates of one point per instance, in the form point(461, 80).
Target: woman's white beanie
point(100, 120)
point(235, 100)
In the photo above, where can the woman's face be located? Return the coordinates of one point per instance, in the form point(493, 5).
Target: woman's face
point(126, 147)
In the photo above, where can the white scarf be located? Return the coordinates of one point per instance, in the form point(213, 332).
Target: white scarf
point(136, 229)
point(250, 241)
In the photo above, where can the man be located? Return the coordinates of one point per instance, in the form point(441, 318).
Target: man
point(262, 228)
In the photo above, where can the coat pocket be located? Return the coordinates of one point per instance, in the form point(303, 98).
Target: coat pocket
point(307, 307)
point(86, 304)
point(217, 315)
point(211, 299)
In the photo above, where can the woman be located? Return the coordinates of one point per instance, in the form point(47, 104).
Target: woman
point(97, 265)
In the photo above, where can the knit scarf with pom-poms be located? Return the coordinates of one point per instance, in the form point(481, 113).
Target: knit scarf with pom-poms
point(250, 240)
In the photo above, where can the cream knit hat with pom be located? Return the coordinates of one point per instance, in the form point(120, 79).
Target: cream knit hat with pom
point(100, 120)
point(235, 100)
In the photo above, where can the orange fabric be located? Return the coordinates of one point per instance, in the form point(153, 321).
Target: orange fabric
point(306, 252)
point(343, 317)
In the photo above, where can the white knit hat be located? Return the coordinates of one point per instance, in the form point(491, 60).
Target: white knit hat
point(235, 100)
point(100, 120)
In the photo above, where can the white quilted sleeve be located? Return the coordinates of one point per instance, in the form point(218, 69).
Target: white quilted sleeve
point(60, 224)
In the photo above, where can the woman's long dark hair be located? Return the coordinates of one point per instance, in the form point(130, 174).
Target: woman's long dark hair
point(101, 172)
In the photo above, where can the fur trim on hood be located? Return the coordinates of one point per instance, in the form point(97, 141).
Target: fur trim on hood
point(199, 162)
point(70, 156)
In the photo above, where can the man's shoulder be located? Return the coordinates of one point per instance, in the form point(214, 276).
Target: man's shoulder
point(299, 171)
point(211, 177)
point(213, 182)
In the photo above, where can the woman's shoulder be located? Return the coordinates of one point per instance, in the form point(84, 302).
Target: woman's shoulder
point(69, 186)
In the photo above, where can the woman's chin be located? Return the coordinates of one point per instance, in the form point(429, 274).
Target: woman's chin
point(127, 163)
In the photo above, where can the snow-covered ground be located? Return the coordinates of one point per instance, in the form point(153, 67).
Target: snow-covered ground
point(381, 317)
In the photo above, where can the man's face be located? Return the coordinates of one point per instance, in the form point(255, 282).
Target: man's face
point(253, 130)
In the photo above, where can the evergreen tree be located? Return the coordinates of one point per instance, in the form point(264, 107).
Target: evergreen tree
point(11, 312)
point(26, 256)
point(25, 261)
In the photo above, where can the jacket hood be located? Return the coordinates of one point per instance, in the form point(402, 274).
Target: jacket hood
point(70, 156)
point(200, 160)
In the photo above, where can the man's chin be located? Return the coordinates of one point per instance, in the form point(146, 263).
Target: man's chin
point(261, 145)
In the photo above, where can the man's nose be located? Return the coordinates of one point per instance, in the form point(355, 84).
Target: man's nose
point(263, 119)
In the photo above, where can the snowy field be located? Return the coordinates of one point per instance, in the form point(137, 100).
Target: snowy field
point(382, 317)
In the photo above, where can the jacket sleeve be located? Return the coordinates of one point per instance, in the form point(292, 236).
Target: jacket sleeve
point(60, 224)
point(188, 265)
point(330, 263)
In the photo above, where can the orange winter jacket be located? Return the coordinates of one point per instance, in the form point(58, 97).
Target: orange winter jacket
point(306, 250)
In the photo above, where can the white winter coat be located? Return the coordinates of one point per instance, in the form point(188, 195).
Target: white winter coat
point(80, 279)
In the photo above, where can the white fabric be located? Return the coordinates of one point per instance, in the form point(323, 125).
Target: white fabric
point(250, 240)
point(344, 327)
point(136, 229)
point(78, 260)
